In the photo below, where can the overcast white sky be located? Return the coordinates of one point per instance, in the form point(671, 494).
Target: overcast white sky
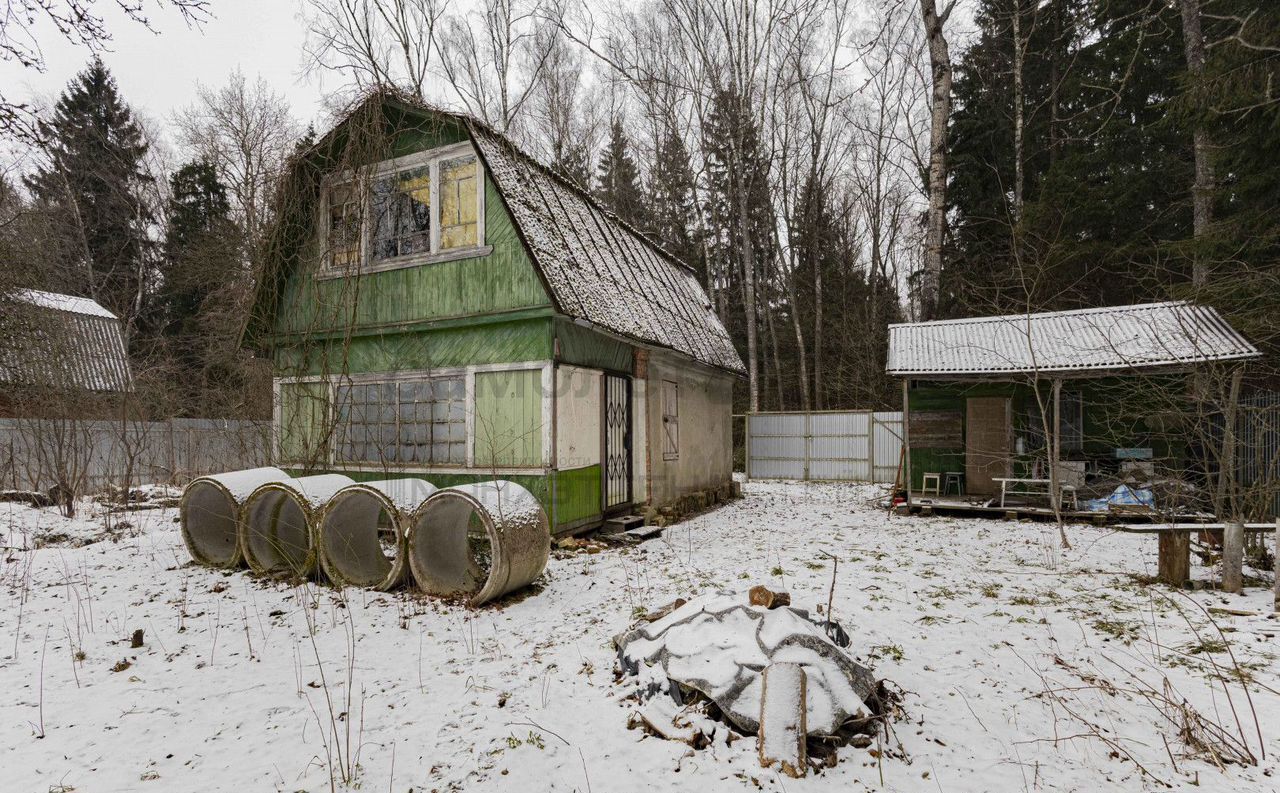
point(158, 71)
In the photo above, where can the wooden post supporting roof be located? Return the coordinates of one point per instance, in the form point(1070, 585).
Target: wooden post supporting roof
point(1055, 460)
point(1229, 493)
point(906, 438)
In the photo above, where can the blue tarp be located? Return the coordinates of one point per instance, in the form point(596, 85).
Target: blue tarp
point(1122, 495)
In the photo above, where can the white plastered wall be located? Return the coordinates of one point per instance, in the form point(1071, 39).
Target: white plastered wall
point(705, 408)
point(577, 417)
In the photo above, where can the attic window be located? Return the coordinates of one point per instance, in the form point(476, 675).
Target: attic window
point(415, 209)
point(344, 225)
point(459, 202)
point(400, 204)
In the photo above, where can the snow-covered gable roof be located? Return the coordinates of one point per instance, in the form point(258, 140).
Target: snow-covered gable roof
point(1118, 338)
point(66, 342)
point(598, 268)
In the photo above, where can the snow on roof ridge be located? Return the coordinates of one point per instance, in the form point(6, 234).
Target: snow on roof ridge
point(1138, 336)
point(58, 301)
point(1132, 307)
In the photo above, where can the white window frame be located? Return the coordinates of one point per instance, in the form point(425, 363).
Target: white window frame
point(364, 182)
point(468, 373)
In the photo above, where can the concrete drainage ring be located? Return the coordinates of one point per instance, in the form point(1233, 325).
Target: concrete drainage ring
point(480, 541)
point(360, 534)
point(278, 523)
point(209, 514)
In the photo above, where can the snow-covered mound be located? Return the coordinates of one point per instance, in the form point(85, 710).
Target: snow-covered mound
point(719, 645)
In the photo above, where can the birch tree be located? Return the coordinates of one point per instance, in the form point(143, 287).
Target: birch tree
point(940, 109)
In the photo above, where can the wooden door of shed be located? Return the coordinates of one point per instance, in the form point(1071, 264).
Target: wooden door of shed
point(986, 443)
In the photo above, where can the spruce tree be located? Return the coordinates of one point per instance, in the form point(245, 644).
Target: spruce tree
point(93, 180)
point(674, 215)
point(200, 254)
point(618, 179)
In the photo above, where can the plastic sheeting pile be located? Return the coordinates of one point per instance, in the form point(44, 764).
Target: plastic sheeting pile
point(719, 646)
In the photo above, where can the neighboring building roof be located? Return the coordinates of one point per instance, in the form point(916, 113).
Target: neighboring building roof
point(1117, 338)
point(65, 342)
point(597, 267)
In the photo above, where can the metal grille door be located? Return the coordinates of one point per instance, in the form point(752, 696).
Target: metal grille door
point(617, 441)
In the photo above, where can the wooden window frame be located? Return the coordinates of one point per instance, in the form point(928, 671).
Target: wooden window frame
point(363, 182)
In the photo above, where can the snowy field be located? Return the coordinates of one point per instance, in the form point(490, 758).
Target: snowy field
point(1024, 666)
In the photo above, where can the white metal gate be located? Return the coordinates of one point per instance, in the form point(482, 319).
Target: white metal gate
point(857, 446)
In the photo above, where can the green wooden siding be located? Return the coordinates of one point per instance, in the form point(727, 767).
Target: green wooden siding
point(503, 280)
point(1114, 410)
point(577, 494)
point(586, 347)
point(304, 431)
point(508, 418)
point(466, 345)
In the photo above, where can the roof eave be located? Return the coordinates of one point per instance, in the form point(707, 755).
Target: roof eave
point(1172, 367)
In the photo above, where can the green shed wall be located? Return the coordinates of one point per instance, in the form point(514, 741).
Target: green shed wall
point(1113, 417)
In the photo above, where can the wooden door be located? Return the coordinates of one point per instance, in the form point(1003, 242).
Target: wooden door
point(986, 443)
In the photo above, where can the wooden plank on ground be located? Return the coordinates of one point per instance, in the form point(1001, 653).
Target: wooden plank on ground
point(782, 734)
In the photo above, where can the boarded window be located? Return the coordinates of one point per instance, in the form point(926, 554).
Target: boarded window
point(670, 420)
point(401, 213)
point(508, 420)
point(459, 227)
point(414, 422)
point(303, 423)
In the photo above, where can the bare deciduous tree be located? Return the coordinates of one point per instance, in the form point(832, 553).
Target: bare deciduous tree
point(374, 43)
point(246, 130)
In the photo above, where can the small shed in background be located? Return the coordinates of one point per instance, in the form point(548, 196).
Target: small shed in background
point(61, 344)
point(977, 393)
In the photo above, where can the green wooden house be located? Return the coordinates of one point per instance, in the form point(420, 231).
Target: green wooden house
point(1096, 393)
point(438, 304)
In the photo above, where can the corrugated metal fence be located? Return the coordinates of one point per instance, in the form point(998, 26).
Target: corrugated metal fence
point(86, 456)
point(857, 445)
point(1258, 452)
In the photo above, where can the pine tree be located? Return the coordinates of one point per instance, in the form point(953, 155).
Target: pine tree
point(573, 161)
point(618, 180)
point(93, 179)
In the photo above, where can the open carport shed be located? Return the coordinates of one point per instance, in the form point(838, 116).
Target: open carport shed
point(975, 390)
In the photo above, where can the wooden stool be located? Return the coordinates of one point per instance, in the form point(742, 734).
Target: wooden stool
point(956, 478)
point(937, 483)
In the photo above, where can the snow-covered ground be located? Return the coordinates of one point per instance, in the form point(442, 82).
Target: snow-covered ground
point(1023, 664)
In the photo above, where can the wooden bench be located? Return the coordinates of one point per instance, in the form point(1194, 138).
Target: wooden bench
point(1174, 562)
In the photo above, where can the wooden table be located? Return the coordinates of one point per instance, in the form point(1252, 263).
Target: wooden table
point(1174, 564)
point(1035, 487)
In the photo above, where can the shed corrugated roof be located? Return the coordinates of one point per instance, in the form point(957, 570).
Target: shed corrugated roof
point(600, 269)
point(1146, 336)
point(65, 341)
